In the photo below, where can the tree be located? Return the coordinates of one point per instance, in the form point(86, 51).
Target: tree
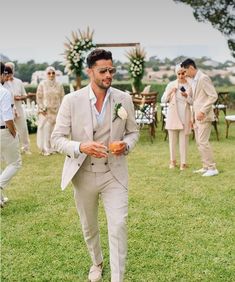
point(220, 13)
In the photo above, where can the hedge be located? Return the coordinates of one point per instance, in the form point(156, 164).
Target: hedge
point(127, 86)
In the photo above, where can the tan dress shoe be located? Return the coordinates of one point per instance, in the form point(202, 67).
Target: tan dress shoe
point(95, 273)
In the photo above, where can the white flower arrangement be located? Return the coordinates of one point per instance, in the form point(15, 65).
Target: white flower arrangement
point(136, 66)
point(76, 50)
point(120, 112)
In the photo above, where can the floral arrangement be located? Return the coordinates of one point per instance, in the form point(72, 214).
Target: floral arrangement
point(136, 66)
point(119, 112)
point(76, 50)
point(32, 124)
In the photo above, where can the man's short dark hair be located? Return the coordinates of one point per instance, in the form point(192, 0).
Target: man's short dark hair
point(187, 63)
point(96, 55)
point(2, 68)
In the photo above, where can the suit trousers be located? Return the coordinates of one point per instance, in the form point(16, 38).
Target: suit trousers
point(22, 129)
point(202, 135)
point(175, 135)
point(88, 188)
point(10, 154)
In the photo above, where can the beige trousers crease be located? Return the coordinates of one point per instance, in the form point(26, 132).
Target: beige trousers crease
point(88, 188)
point(10, 154)
point(202, 135)
point(22, 129)
point(174, 136)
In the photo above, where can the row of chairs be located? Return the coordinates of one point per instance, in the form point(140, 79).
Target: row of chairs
point(145, 105)
point(146, 110)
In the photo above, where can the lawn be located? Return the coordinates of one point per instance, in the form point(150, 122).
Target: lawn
point(181, 225)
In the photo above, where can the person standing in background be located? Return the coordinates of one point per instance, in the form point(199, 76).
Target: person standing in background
point(204, 96)
point(49, 97)
point(16, 87)
point(178, 94)
point(9, 145)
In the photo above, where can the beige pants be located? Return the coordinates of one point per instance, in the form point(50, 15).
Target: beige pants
point(44, 132)
point(202, 135)
point(10, 154)
point(174, 136)
point(88, 187)
point(22, 129)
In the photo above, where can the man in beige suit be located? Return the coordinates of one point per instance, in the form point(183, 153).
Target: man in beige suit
point(89, 120)
point(204, 96)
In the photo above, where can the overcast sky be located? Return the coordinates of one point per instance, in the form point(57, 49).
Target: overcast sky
point(37, 29)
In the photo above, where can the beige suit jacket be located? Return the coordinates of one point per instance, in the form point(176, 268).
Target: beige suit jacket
point(173, 121)
point(204, 97)
point(74, 124)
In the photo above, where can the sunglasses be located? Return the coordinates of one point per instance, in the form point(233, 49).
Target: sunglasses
point(49, 73)
point(182, 73)
point(104, 70)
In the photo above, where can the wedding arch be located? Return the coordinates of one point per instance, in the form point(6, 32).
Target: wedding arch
point(77, 47)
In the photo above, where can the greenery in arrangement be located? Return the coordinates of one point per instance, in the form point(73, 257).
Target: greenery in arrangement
point(180, 225)
point(32, 124)
point(136, 66)
point(76, 49)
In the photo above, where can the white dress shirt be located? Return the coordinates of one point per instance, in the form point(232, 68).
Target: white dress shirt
point(5, 105)
point(99, 116)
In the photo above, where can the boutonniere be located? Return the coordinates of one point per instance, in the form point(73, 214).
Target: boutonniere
point(119, 112)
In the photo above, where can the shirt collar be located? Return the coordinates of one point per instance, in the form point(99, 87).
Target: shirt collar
point(93, 98)
point(196, 77)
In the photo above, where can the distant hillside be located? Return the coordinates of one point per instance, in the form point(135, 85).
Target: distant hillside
point(4, 58)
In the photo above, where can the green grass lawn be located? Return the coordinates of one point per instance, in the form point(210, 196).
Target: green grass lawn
point(181, 225)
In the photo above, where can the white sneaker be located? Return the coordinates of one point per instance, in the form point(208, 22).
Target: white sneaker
point(3, 199)
point(201, 170)
point(211, 172)
point(95, 273)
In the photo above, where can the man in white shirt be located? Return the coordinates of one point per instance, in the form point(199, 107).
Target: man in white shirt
point(9, 146)
point(16, 87)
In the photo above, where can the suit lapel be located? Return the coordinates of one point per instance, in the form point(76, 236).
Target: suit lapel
point(115, 99)
point(86, 114)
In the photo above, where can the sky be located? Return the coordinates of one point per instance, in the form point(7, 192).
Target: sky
point(36, 29)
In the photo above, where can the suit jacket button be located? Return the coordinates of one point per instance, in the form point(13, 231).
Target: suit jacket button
point(78, 164)
point(92, 163)
point(105, 163)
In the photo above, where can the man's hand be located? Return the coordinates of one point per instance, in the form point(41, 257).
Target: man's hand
point(200, 116)
point(19, 98)
point(94, 149)
point(10, 125)
point(117, 148)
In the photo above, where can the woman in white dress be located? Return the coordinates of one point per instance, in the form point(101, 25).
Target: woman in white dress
point(49, 96)
point(178, 94)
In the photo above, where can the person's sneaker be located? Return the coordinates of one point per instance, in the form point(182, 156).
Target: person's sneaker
point(28, 153)
point(3, 199)
point(95, 273)
point(211, 172)
point(201, 170)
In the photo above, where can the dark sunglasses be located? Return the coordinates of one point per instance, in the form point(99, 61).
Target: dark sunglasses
point(49, 73)
point(182, 73)
point(104, 70)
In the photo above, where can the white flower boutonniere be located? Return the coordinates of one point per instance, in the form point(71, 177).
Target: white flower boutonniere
point(120, 112)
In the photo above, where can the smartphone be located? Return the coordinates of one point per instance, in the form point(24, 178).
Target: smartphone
point(182, 89)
